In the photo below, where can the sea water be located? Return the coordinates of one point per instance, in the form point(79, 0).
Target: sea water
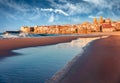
point(26, 35)
point(38, 64)
point(23, 35)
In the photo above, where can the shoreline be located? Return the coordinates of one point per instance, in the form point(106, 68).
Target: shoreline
point(99, 63)
point(7, 45)
point(71, 75)
point(59, 75)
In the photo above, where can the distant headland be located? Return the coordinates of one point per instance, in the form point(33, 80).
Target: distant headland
point(98, 25)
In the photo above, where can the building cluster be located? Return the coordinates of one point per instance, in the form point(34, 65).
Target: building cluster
point(101, 25)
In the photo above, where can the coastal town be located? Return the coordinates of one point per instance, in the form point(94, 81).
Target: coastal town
point(98, 25)
point(59, 41)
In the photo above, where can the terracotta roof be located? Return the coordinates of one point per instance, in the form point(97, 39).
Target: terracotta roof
point(106, 25)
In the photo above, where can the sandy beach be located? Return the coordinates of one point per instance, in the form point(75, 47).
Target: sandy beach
point(100, 63)
point(7, 45)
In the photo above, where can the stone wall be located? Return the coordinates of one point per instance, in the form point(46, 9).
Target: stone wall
point(83, 28)
point(59, 29)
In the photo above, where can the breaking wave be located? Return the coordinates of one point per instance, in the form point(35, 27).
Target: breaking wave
point(23, 35)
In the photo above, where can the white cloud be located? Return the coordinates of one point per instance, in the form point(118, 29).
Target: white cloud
point(100, 13)
point(47, 9)
point(51, 19)
point(61, 12)
point(14, 5)
point(36, 14)
point(71, 8)
point(55, 11)
point(54, 4)
point(64, 1)
point(101, 4)
point(113, 16)
point(85, 7)
point(93, 17)
point(22, 11)
point(78, 8)
point(97, 2)
point(11, 16)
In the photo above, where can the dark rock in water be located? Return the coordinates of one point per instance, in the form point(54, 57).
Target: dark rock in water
point(12, 32)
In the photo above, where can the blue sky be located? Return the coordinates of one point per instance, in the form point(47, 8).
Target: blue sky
point(17, 13)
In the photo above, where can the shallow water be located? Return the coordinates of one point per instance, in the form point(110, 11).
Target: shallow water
point(38, 64)
point(24, 35)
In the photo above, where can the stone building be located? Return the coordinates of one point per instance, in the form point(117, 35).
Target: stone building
point(101, 25)
point(107, 27)
point(25, 29)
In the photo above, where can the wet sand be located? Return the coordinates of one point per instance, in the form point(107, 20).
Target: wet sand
point(7, 45)
point(100, 63)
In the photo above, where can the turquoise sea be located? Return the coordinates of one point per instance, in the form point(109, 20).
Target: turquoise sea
point(36, 64)
point(39, 64)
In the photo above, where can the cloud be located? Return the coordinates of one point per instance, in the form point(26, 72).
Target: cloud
point(78, 8)
point(36, 14)
point(102, 4)
point(100, 13)
point(17, 6)
point(51, 19)
point(47, 9)
point(59, 11)
point(19, 16)
point(93, 17)
point(64, 1)
point(56, 11)
point(70, 8)
point(10, 16)
point(86, 6)
point(20, 11)
point(97, 2)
